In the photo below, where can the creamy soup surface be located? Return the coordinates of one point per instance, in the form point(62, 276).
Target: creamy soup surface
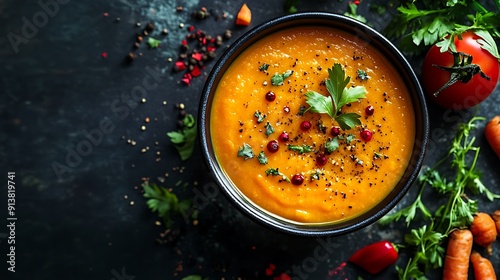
point(336, 185)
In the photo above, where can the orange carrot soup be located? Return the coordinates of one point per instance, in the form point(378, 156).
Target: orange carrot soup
point(297, 163)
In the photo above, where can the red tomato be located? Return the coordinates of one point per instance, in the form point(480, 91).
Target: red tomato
point(460, 95)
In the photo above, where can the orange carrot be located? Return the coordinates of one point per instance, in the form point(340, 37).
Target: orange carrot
point(483, 269)
point(496, 217)
point(244, 16)
point(484, 231)
point(456, 262)
point(492, 133)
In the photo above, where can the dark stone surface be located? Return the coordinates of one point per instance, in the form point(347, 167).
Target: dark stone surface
point(78, 222)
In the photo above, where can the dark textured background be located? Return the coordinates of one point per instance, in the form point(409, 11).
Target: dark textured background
point(80, 224)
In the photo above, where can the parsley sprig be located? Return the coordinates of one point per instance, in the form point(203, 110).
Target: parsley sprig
point(339, 96)
point(422, 23)
point(164, 202)
point(428, 239)
point(184, 139)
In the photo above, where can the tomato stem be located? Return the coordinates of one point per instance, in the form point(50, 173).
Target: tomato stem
point(463, 70)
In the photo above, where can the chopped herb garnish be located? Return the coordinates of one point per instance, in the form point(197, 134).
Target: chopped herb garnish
point(264, 67)
point(339, 96)
point(300, 148)
point(262, 158)
point(350, 138)
point(362, 74)
point(278, 79)
point(315, 175)
point(275, 172)
point(153, 43)
point(164, 202)
point(302, 110)
point(332, 145)
point(269, 129)
point(246, 151)
point(184, 139)
point(321, 127)
point(260, 116)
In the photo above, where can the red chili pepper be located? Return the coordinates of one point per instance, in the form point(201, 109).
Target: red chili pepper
point(375, 257)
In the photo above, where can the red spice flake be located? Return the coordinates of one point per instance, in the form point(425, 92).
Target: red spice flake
point(211, 49)
point(105, 14)
point(191, 28)
point(179, 66)
point(270, 269)
point(104, 54)
point(186, 81)
point(196, 71)
point(184, 42)
point(357, 2)
point(197, 56)
point(338, 270)
point(283, 276)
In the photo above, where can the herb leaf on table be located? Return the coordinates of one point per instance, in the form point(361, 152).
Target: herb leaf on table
point(163, 201)
point(184, 139)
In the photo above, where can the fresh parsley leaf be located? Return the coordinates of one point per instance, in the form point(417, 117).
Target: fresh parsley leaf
point(260, 116)
point(162, 201)
point(269, 129)
point(332, 145)
point(262, 158)
point(246, 151)
point(153, 43)
point(278, 79)
point(184, 139)
point(348, 120)
point(315, 175)
point(350, 138)
point(339, 97)
point(319, 103)
point(487, 42)
point(353, 13)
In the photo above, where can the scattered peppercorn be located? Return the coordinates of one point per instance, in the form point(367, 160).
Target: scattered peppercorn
point(284, 137)
point(369, 110)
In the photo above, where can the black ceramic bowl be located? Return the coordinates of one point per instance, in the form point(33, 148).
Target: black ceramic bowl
point(378, 42)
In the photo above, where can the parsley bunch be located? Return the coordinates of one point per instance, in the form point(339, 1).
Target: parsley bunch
point(340, 95)
point(427, 240)
point(421, 23)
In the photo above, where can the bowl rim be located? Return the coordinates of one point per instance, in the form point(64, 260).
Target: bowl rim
point(386, 48)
